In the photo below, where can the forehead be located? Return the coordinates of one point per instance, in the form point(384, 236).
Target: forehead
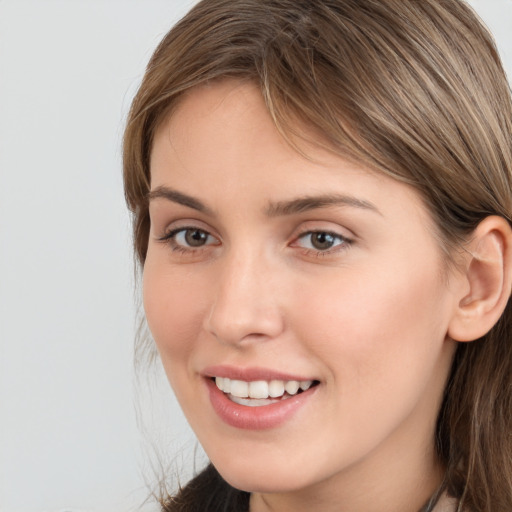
point(220, 119)
point(221, 143)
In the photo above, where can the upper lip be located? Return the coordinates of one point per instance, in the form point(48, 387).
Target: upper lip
point(251, 373)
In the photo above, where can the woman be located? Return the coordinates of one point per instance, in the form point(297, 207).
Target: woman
point(322, 200)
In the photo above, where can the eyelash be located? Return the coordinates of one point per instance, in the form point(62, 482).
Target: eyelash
point(170, 239)
point(344, 243)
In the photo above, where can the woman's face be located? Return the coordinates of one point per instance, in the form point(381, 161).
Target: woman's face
point(268, 270)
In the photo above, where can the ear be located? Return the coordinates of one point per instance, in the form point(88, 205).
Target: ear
point(486, 280)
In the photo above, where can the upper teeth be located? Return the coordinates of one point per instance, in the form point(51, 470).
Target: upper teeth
point(261, 388)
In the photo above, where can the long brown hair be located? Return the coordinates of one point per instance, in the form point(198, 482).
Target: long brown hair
point(413, 89)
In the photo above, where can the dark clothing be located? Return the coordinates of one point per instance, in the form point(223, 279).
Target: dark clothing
point(208, 492)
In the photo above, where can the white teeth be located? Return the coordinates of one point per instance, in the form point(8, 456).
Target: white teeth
point(223, 384)
point(251, 402)
point(261, 389)
point(239, 388)
point(258, 389)
point(305, 384)
point(276, 388)
point(292, 386)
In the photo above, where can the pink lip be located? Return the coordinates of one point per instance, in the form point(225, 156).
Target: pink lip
point(250, 374)
point(254, 418)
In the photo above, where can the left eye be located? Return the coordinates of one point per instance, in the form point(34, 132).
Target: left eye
point(320, 240)
point(191, 237)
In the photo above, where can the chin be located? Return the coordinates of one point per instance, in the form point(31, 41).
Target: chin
point(264, 478)
point(262, 483)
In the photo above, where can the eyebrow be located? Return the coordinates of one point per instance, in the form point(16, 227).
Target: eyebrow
point(274, 209)
point(307, 203)
point(180, 198)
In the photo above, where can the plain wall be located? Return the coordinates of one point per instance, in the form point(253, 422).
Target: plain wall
point(68, 70)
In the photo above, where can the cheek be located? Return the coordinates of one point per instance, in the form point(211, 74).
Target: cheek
point(174, 312)
point(385, 357)
point(381, 335)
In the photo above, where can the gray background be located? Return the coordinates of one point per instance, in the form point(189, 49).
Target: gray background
point(68, 70)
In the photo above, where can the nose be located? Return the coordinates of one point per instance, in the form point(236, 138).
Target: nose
point(245, 307)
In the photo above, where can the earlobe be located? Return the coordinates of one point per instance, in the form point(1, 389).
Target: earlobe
point(487, 278)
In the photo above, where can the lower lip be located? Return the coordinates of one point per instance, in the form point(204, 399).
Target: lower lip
point(256, 418)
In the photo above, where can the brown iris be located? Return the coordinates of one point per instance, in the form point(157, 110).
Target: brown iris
point(195, 237)
point(322, 241)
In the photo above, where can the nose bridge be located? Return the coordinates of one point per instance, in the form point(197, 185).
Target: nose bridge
point(244, 307)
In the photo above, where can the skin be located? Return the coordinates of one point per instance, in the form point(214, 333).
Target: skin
point(367, 318)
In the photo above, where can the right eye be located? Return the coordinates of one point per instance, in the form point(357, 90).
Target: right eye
point(189, 238)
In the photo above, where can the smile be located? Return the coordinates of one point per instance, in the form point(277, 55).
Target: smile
point(260, 392)
point(257, 399)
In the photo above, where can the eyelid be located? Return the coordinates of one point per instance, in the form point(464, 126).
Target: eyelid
point(165, 226)
point(324, 226)
point(342, 241)
point(171, 233)
point(345, 238)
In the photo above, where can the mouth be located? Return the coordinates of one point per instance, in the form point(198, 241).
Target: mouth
point(260, 393)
